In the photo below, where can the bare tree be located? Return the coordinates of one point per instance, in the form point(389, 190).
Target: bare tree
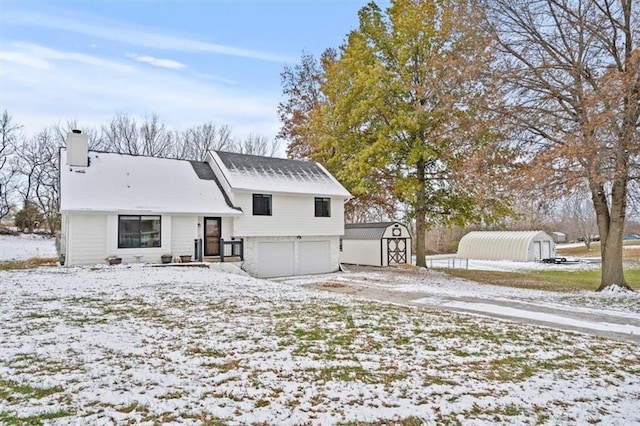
point(257, 145)
point(125, 135)
point(579, 211)
point(9, 133)
point(121, 135)
point(571, 69)
point(36, 163)
point(195, 142)
point(155, 140)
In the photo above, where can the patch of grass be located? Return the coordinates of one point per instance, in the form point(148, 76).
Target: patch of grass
point(631, 252)
point(262, 403)
point(136, 308)
point(561, 281)
point(204, 419)
point(407, 421)
point(10, 419)
point(10, 387)
point(34, 262)
point(223, 367)
point(208, 352)
point(510, 369)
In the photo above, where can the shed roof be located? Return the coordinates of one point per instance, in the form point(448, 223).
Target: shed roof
point(499, 245)
point(127, 183)
point(268, 174)
point(366, 231)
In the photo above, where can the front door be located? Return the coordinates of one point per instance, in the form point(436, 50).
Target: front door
point(212, 233)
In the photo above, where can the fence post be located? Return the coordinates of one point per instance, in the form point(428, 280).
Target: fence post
point(221, 250)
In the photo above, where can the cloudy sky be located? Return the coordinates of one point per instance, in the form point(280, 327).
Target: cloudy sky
point(189, 61)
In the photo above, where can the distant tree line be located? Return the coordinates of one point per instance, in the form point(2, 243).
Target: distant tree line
point(29, 164)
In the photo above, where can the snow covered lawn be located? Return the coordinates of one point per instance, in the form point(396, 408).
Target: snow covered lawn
point(148, 345)
point(26, 246)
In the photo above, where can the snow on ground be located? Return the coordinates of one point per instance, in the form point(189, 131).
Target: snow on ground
point(610, 314)
point(26, 246)
point(451, 261)
point(139, 344)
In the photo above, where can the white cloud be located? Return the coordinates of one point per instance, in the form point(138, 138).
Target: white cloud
point(92, 90)
point(134, 36)
point(156, 62)
point(40, 57)
point(24, 59)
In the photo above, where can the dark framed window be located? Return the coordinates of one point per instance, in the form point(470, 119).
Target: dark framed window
point(261, 205)
point(138, 231)
point(323, 207)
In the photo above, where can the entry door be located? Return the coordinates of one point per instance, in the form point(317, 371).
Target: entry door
point(212, 233)
point(396, 250)
point(537, 250)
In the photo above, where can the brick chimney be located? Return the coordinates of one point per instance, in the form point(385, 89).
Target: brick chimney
point(77, 149)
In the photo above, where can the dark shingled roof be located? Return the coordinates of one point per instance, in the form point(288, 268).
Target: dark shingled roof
point(365, 231)
point(383, 225)
point(280, 167)
point(204, 172)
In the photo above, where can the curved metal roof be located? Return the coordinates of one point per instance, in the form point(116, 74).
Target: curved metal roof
point(499, 245)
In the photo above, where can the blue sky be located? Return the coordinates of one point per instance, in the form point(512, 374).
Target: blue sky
point(189, 61)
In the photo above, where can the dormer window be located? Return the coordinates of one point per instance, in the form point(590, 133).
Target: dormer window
point(323, 207)
point(261, 204)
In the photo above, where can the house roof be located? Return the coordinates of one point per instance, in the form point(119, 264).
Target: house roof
point(129, 183)
point(365, 231)
point(267, 174)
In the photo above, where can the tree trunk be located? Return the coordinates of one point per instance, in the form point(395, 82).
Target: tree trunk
point(611, 250)
point(421, 211)
point(611, 228)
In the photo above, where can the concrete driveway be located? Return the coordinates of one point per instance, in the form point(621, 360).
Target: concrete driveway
point(612, 316)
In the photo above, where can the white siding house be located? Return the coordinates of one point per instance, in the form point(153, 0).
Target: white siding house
point(376, 244)
point(134, 207)
point(293, 213)
point(518, 246)
point(288, 215)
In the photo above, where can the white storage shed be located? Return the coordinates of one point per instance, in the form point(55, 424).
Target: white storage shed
point(375, 244)
point(518, 246)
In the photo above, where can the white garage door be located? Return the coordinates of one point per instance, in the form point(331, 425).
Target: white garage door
point(314, 257)
point(275, 259)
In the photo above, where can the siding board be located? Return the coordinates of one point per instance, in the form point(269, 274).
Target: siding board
point(87, 239)
point(291, 215)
